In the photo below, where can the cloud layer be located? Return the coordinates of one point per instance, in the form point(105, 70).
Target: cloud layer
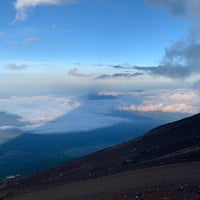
point(92, 114)
point(152, 107)
point(37, 110)
point(168, 101)
point(51, 114)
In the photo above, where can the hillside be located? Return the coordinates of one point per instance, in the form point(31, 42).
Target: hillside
point(176, 142)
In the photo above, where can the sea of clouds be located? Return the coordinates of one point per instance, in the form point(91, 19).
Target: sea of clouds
point(58, 114)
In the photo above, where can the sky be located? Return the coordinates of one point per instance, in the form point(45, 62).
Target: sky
point(98, 42)
point(53, 50)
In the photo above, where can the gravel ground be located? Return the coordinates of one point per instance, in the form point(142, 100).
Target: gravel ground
point(166, 182)
point(178, 192)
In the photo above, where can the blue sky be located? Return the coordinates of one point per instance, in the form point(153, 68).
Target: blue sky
point(145, 43)
point(90, 31)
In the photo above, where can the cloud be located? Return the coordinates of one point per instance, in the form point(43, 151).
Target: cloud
point(14, 66)
point(124, 66)
point(119, 75)
point(23, 6)
point(181, 60)
point(75, 72)
point(2, 33)
point(177, 7)
point(29, 40)
point(26, 41)
point(92, 114)
point(37, 110)
point(2, 128)
point(119, 66)
point(11, 42)
point(109, 93)
point(55, 114)
point(102, 112)
point(196, 85)
point(103, 95)
point(183, 108)
point(186, 8)
point(169, 101)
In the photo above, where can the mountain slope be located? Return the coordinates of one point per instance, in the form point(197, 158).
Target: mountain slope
point(180, 181)
point(167, 144)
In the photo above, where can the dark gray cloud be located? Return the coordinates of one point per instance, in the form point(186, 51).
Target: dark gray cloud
point(9, 120)
point(196, 85)
point(119, 66)
point(180, 61)
point(177, 7)
point(187, 8)
point(14, 66)
point(75, 72)
point(124, 66)
point(174, 72)
point(119, 75)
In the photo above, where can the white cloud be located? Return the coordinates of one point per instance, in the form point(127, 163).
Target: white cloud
point(29, 40)
point(2, 128)
point(51, 114)
point(37, 110)
point(182, 108)
point(170, 101)
point(23, 42)
point(23, 6)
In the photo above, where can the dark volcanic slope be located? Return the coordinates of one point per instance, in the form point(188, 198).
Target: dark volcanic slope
point(156, 183)
point(171, 143)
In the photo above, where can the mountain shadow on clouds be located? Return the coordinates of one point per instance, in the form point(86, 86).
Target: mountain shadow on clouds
point(10, 120)
point(34, 152)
